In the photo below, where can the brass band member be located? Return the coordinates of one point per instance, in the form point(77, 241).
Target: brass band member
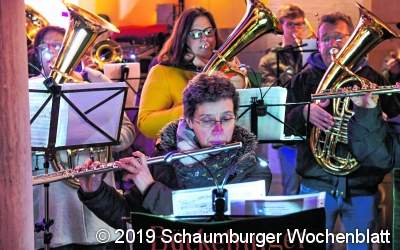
point(186, 52)
point(351, 197)
point(74, 225)
point(210, 105)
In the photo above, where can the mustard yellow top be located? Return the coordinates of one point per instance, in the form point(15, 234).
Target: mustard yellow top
point(161, 98)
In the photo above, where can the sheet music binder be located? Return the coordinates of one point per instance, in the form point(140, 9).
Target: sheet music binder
point(88, 114)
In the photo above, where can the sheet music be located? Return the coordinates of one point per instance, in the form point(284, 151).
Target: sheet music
point(277, 205)
point(73, 129)
point(198, 201)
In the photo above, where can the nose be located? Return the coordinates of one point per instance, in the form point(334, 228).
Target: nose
point(217, 128)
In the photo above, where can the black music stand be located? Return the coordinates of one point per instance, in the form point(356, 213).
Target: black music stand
point(164, 232)
point(268, 103)
point(72, 116)
point(130, 74)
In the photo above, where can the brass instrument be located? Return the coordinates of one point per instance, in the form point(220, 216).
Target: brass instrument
point(102, 168)
point(83, 30)
point(257, 21)
point(350, 92)
point(34, 21)
point(330, 148)
point(106, 51)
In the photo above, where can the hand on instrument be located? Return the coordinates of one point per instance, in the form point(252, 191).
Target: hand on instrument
point(92, 182)
point(319, 117)
point(393, 64)
point(237, 74)
point(137, 169)
point(365, 101)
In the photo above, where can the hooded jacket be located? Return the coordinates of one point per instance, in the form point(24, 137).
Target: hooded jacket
point(241, 166)
point(365, 179)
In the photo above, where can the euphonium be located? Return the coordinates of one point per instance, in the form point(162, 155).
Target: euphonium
point(257, 21)
point(83, 30)
point(330, 148)
point(106, 51)
point(34, 21)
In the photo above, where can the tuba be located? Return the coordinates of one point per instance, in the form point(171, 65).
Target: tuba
point(83, 30)
point(257, 21)
point(34, 21)
point(330, 148)
point(106, 51)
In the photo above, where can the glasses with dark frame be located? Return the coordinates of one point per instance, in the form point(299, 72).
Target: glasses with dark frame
point(198, 33)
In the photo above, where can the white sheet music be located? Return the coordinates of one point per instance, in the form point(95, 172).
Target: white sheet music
point(277, 205)
point(72, 128)
point(198, 201)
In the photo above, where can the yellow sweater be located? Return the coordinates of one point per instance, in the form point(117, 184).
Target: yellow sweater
point(161, 98)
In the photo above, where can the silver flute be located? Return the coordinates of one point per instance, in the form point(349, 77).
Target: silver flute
point(111, 166)
point(349, 92)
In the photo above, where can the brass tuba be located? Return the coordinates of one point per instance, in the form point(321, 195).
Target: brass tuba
point(106, 51)
point(330, 148)
point(83, 30)
point(34, 21)
point(257, 21)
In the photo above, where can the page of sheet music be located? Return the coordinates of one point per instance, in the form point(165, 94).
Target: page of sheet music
point(277, 205)
point(198, 201)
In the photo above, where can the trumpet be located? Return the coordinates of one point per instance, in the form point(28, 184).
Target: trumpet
point(111, 166)
point(350, 92)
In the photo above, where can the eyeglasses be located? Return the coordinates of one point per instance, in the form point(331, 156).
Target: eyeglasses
point(210, 123)
point(197, 34)
point(334, 37)
point(45, 47)
point(292, 24)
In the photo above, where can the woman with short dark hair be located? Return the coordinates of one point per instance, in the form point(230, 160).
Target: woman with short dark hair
point(210, 105)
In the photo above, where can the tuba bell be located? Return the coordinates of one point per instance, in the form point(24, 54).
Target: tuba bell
point(83, 30)
point(106, 51)
point(330, 148)
point(257, 21)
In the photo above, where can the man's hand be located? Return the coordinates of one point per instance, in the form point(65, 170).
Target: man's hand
point(319, 117)
point(365, 101)
point(137, 169)
point(393, 64)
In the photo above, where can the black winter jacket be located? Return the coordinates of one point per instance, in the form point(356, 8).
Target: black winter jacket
point(375, 142)
point(110, 206)
point(360, 182)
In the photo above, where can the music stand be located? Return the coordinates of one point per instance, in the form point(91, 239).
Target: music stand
point(165, 232)
point(130, 74)
point(72, 116)
point(262, 111)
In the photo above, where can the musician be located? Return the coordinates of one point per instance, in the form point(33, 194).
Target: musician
point(374, 140)
point(392, 68)
point(291, 17)
point(210, 106)
point(184, 54)
point(74, 225)
point(351, 197)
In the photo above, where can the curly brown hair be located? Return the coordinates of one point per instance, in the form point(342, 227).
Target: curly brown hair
point(208, 88)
